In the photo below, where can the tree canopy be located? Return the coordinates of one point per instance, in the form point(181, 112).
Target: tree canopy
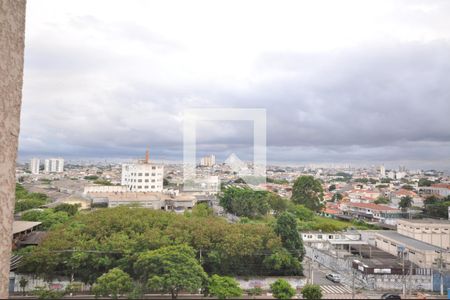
point(308, 192)
point(224, 287)
point(115, 237)
point(281, 289)
point(245, 202)
point(171, 269)
point(115, 283)
point(311, 292)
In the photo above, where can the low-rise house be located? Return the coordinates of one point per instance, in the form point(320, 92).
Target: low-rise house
point(372, 212)
point(441, 189)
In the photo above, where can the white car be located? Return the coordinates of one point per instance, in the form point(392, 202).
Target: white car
point(334, 277)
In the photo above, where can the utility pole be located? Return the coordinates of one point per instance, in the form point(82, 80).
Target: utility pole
point(403, 273)
point(410, 277)
point(440, 273)
point(353, 283)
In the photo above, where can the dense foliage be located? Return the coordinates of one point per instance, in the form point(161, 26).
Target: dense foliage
point(115, 283)
point(245, 202)
point(308, 191)
point(171, 269)
point(89, 245)
point(436, 207)
point(311, 292)
point(48, 217)
point(26, 200)
point(281, 289)
point(224, 287)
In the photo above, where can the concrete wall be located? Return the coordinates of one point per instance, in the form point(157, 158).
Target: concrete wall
point(12, 42)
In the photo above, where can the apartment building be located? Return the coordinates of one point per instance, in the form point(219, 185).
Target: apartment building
point(34, 165)
point(208, 161)
point(143, 177)
point(54, 165)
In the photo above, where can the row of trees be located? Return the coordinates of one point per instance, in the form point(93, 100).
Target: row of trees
point(88, 245)
point(175, 270)
point(245, 202)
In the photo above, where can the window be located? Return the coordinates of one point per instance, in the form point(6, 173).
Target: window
point(139, 186)
point(139, 180)
point(153, 168)
point(319, 236)
point(153, 180)
point(153, 186)
point(146, 180)
point(153, 174)
point(140, 174)
point(146, 186)
point(146, 174)
point(330, 237)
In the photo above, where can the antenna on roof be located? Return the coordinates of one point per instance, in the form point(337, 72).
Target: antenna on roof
point(147, 155)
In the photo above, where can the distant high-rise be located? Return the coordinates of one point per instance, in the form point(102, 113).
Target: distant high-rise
point(208, 161)
point(382, 171)
point(34, 165)
point(54, 165)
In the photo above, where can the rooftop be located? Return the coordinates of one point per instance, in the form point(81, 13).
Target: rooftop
point(409, 242)
point(426, 221)
point(372, 206)
point(20, 226)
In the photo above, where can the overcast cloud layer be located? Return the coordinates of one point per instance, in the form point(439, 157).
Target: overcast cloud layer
point(342, 81)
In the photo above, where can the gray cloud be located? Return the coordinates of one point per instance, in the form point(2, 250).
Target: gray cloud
point(380, 101)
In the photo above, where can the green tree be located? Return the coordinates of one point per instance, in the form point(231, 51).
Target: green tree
point(277, 204)
point(115, 283)
point(408, 187)
point(425, 182)
point(282, 263)
point(44, 293)
point(286, 228)
point(201, 210)
point(311, 292)
point(171, 269)
point(281, 289)
point(337, 197)
point(308, 191)
point(301, 212)
point(405, 202)
point(382, 200)
point(23, 282)
point(224, 287)
point(48, 217)
point(70, 209)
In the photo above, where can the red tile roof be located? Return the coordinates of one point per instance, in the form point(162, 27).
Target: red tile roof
point(372, 206)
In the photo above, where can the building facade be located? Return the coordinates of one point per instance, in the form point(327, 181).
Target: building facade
point(54, 165)
point(208, 161)
point(143, 177)
point(431, 231)
point(34, 165)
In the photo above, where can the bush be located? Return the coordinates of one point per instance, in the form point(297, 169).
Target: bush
point(311, 292)
point(281, 289)
point(256, 291)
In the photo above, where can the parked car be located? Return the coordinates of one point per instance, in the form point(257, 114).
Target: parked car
point(334, 277)
point(391, 296)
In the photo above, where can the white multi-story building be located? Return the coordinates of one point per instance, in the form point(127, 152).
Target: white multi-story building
point(382, 171)
point(34, 165)
point(54, 165)
point(208, 161)
point(143, 177)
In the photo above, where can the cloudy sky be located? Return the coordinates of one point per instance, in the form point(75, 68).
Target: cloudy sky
point(361, 82)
